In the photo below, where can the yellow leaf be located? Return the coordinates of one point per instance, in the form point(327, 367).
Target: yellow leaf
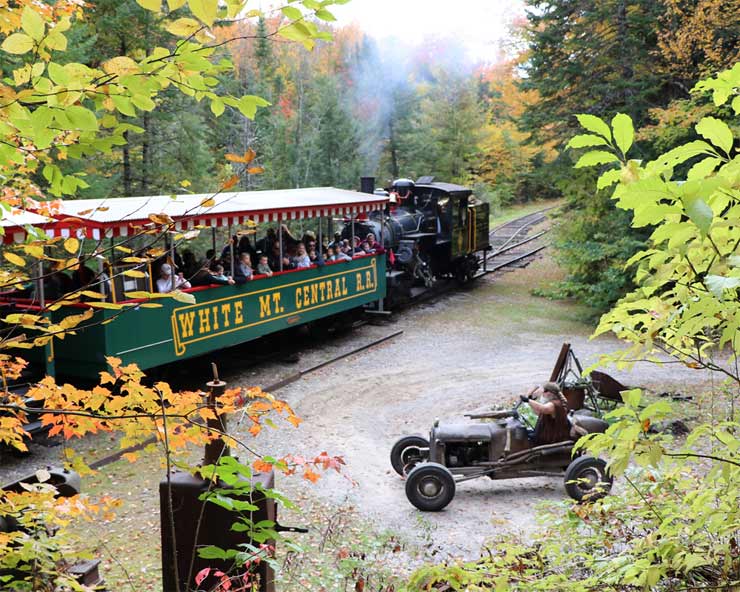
point(184, 27)
point(91, 294)
point(208, 202)
point(71, 245)
point(150, 305)
point(133, 260)
point(204, 10)
point(109, 305)
point(34, 251)
point(14, 259)
point(183, 297)
point(124, 249)
point(153, 5)
point(161, 219)
point(134, 273)
point(121, 65)
point(175, 4)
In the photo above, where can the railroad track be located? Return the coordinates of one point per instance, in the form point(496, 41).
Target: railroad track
point(512, 245)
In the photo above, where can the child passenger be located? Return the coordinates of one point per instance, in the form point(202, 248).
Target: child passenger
point(263, 267)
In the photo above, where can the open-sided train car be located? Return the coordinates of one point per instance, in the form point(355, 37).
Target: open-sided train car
point(216, 316)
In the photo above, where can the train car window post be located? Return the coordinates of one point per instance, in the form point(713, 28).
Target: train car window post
point(280, 239)
point(352, 240)
point(320, 247)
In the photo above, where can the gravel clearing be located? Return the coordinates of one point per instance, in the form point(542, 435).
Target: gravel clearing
point(465, 352)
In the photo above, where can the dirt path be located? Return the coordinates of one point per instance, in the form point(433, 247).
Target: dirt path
point(464, 353)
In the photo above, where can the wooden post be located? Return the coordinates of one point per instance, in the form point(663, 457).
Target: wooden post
point(216, 448)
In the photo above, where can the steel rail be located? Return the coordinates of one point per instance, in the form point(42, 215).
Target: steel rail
point(295, 377)
point(512, 261)
point(514, 246)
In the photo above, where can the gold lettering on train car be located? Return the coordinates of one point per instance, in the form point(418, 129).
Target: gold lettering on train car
point(314, 293)
point(360, 287)
point(276, 302)
point(204, 320)
point(307, 296)
point(344, 286)
point(215, 318)
point(265, 306)
point(322, 287)
point(186, 324)
point(226, 312)
point(238, 316)
point(329, 290)
point(369, 280)
point(298, 301)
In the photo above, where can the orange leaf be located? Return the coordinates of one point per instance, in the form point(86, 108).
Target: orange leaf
point(248, 157)
point(230, 183)
point(208, 202)
point(255, 429)
point(256, 170)
point(130, 456)
point(261, 466)
point(310, 475)
point(160, 219)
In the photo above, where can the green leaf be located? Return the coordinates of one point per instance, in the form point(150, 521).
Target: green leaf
point(717, 284)
point(624, 132)
point(632, 397)
point(292, 13)
point(211, 552)
point(123, 104)
point(58, 74)
point(586, 141)
point(717, 132)
point(217, 106)
point(32, 23)
point(55, 40)
point(204, 10)
point(594, 124)
point(298, 31)
point(608, 178)
point(248, 105)
point(153, 5)
point(736, 105)
point(17, 43)
point(82, 118)
point(703, 168)
point(595, 157)
point(183, 27)
point(698, 212)
point(325, 15)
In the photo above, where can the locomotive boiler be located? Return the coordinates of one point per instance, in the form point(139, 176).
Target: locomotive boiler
point(433, 230)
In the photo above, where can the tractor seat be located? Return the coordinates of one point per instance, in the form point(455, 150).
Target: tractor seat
point(466, 432)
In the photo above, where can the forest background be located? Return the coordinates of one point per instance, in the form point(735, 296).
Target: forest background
point(354, 107)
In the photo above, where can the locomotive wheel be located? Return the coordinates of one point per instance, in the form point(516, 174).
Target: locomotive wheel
point(586, 479)
point(430, 487)
point(405, 454)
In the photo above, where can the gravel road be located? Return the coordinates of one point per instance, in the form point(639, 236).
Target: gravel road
point(464, 353)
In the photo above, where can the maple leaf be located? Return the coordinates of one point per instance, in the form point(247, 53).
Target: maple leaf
point(230, 183)
point(310, 475)
point(261, 466)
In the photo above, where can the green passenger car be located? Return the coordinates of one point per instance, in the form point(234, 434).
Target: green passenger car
point(221, 317)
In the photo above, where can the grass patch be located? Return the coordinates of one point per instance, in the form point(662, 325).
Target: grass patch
point(511, 212)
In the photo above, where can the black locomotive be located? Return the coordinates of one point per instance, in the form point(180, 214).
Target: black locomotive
point(431, 230)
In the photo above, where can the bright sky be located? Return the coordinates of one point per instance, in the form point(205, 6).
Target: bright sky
point(479, 24)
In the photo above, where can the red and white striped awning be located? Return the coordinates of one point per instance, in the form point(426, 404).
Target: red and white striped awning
point(123, 216)
point(15, 222)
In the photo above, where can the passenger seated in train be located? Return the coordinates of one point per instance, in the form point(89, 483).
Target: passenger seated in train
point(205, 277)
point(372, 243)
point(337, 240)
point(263, 266)
point(189, 264)
point(300, 259)
point(218, 274)
point(165, 284)
point(365, 247)
point(243, 270)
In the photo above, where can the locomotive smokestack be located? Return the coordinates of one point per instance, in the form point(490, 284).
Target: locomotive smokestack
point(367, 184)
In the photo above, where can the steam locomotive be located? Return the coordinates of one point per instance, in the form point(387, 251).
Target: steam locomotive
point(431, 230)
